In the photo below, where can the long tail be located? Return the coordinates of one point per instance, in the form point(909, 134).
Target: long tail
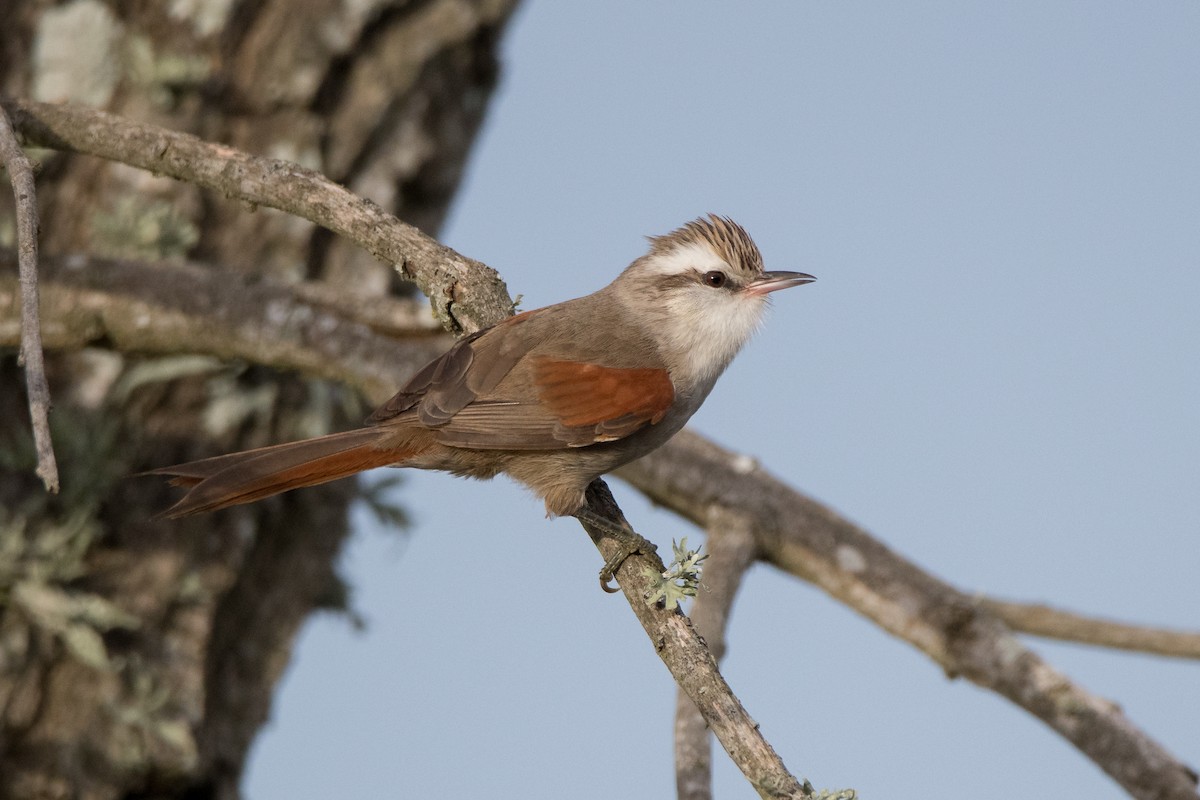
point(254, 474)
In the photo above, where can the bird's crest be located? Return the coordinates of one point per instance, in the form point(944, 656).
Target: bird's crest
point(728, 239)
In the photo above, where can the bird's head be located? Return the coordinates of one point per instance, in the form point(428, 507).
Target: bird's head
point(704, 290)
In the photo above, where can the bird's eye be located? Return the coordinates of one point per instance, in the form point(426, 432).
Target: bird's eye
point(714, 278)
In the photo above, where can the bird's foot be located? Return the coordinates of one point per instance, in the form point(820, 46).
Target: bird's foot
point(633, 545)
point(629, 541)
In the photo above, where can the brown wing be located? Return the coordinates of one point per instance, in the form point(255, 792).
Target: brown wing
point(446, 371)
point(472, 368)
point(495, 390)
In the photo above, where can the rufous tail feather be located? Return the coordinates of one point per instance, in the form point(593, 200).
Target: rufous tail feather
point(254, 474)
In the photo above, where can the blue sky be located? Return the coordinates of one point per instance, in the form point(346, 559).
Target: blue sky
point(997, 373)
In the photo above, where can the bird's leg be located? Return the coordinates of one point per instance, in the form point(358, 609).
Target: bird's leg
point(629, 541)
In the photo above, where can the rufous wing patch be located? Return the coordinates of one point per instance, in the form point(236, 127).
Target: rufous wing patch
point(583, 395)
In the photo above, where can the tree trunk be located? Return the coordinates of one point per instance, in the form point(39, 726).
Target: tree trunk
point(138, 657)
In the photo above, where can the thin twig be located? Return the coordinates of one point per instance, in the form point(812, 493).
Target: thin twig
point(692, 665)
point(20, 174)
point(731, 552)
point(1053, 623)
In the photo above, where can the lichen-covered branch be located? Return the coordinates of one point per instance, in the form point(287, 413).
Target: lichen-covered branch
point(692, 665)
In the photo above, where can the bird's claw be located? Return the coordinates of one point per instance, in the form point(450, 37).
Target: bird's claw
point(609, 571)
point(631, 544)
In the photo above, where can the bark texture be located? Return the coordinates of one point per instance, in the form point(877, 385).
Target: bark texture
point(137, 658)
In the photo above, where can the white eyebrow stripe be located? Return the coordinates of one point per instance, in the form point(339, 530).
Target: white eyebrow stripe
point(690, 257)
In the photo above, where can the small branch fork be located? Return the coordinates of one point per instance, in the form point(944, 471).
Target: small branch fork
point(20, 174)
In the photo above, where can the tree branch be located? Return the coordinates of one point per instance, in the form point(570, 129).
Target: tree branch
point(466, 294)
point(1053, 623)
point(691, 476)
point(692, 665)
point(20, 173)
point(137, 307)
point(731, 552)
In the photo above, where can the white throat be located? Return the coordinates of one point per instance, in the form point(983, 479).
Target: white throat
point(700, 328)
point(705, 332)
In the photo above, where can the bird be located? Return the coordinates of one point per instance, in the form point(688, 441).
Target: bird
point(554, 397)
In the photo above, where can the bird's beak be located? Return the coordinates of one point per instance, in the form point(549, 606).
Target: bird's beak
point(773, 281)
